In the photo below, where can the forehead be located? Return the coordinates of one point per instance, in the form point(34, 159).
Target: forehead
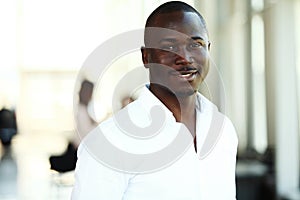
point(181, 24)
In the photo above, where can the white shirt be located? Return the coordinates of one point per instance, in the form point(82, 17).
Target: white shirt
point(113, 165)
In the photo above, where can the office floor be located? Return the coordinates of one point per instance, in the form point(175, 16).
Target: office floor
point(25, 171)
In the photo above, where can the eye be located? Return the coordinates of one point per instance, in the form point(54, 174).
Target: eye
point(197, 44)
point(169, 47)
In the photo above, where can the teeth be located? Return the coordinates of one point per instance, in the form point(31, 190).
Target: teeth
point(185, 75)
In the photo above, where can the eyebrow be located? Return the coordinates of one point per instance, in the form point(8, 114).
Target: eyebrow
point(168, 40)
point(172, 40)
point(197, 38)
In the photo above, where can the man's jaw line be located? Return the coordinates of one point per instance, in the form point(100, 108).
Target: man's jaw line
point(168, 91)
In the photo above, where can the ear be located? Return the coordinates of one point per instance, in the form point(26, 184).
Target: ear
point(145, 55)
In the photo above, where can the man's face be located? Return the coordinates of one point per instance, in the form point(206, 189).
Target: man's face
point(178, 56)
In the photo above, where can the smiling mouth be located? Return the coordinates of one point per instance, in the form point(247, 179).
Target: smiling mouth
point(188, 75)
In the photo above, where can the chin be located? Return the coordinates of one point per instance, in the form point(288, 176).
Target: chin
point(185, 93)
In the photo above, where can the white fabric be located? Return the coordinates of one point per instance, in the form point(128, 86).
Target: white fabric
point(207, 175)
point(85, 124)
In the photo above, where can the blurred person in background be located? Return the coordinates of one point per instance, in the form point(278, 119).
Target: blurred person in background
point(67, 161)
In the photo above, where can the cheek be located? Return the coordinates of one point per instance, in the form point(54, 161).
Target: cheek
point(162, 57)
point(165, 60)
point(201, 57)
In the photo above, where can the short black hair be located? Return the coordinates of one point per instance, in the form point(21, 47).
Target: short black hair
point(173, 6)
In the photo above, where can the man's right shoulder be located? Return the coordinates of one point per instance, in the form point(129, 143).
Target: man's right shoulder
point(133, 114)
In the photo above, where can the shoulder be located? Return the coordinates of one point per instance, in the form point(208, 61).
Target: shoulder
point(134, 112)
point(221, 128)
point(230, 131)
point(210, 107)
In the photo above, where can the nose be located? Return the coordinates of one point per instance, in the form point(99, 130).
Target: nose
point(183, 57)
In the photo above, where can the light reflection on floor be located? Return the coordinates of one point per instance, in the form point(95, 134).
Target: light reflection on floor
point(25, 171)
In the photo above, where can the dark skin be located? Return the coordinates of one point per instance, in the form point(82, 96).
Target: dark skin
point(85, 94)
point(184, 63)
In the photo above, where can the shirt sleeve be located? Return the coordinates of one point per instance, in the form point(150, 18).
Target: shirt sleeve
point(93, 180)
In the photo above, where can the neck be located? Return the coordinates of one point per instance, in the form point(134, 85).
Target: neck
point(182, 107)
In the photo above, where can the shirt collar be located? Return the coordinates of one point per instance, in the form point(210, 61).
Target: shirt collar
point(199, 102)
point(149, 100)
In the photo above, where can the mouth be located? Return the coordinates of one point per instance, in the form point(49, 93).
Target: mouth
point(188, 75)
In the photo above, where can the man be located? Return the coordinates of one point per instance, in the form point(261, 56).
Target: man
point(189, 151)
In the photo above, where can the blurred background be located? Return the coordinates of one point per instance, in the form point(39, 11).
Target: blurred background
point(255, 49)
